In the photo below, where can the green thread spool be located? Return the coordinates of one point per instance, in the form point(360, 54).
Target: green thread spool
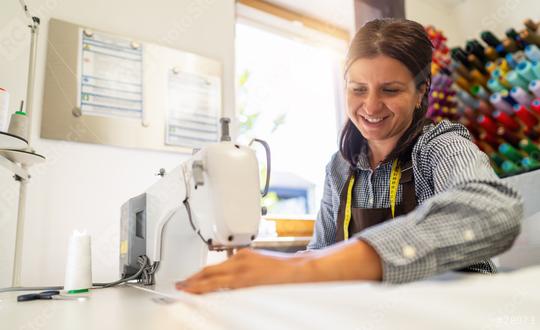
point(497, 159)
point(509, 167)
point(516, 80)
point(494, 85)
point(530, 163)
point(536, 69)
point(525, 70)
point(479, 91)
point(510, 152)
point(531, 148)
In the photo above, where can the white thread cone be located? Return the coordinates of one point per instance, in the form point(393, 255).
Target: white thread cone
point(79, 263)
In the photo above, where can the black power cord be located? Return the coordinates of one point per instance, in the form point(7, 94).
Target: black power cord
point(144, 276)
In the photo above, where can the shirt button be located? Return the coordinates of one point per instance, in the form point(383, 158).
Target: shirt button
point(468, 235)
point(409, 251)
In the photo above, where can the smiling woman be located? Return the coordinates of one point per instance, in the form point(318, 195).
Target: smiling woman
point(403, 199)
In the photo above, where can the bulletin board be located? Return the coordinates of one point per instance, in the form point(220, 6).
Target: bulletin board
point(109, 89)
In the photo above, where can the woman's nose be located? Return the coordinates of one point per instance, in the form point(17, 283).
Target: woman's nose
point(373, 104)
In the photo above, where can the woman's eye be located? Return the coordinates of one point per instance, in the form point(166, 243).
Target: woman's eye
point(359, 90)
point(390, 90)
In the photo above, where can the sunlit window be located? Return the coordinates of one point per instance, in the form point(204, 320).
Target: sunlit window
point(289, 93)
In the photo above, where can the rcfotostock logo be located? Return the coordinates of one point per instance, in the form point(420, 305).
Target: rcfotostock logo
point(501, 14)
point(13, 39)
point(15, 35)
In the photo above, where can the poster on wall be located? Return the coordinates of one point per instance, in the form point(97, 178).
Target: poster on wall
point(194, 103)
point(111, 79)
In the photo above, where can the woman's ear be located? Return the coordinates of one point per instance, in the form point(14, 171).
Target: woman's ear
point(422, 90)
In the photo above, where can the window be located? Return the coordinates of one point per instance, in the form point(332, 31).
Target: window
point(289, 90)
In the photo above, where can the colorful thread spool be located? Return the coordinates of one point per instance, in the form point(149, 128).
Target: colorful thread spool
point(529, 163)
point(510, 167)
point(533, 53)
point(535, 105)
point(508, 136)
point(488, 124)
point(516, 80)
point(520, 95)
point(536, 69)
point(507, 97)
point(525, 70)
point(494, 85)
point(496, 158)
point(510, 152)
point(525, 116)
point(506, 120)
point(467, 99)
point(500, 104)
point(510, 60)
point(534, 87)
point(479, 91)
point(529, 147)
point(490, 139)
point(490, 67)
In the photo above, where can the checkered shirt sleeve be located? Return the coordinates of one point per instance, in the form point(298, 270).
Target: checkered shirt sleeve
point(466, 214)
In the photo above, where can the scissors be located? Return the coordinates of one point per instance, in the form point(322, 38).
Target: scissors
point(45, 295)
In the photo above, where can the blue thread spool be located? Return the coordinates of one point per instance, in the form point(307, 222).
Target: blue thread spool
point(532, 52)
point(510, 60)
point(507, 97)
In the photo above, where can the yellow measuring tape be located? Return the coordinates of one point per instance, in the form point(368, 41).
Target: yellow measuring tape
point(395, 176)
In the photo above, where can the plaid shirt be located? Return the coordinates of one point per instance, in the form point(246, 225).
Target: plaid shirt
point(465, 213)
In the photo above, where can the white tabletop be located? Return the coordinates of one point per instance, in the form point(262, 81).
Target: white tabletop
point(504, 301)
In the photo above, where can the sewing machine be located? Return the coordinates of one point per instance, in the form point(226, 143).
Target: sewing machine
point(212, 201)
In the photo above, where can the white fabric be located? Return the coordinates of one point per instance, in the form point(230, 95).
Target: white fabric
point(504, 301)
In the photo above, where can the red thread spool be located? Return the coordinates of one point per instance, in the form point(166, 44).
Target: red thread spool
point(490, 139)
point(508, 136)
point(485, 108)
point(469, 113)
point(506, 120)
point(525, 116)
point(488, 124)
point(535, 105)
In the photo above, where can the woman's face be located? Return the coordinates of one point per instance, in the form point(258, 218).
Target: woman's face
point(381, 97)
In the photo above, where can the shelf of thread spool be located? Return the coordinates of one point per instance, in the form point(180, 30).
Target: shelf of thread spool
point(492, 86)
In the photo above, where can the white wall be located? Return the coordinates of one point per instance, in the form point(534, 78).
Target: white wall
point(82, 186)
point(434, 13)
point(461, 20)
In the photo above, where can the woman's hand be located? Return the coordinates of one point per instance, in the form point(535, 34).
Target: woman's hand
point(350, 260)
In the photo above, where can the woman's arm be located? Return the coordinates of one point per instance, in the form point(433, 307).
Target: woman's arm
point(472, 216)
point(349, 260)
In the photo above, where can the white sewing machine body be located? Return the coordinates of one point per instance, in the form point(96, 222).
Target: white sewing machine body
point(221, 184)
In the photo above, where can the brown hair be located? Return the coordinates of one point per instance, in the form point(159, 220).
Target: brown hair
point(407, 42)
